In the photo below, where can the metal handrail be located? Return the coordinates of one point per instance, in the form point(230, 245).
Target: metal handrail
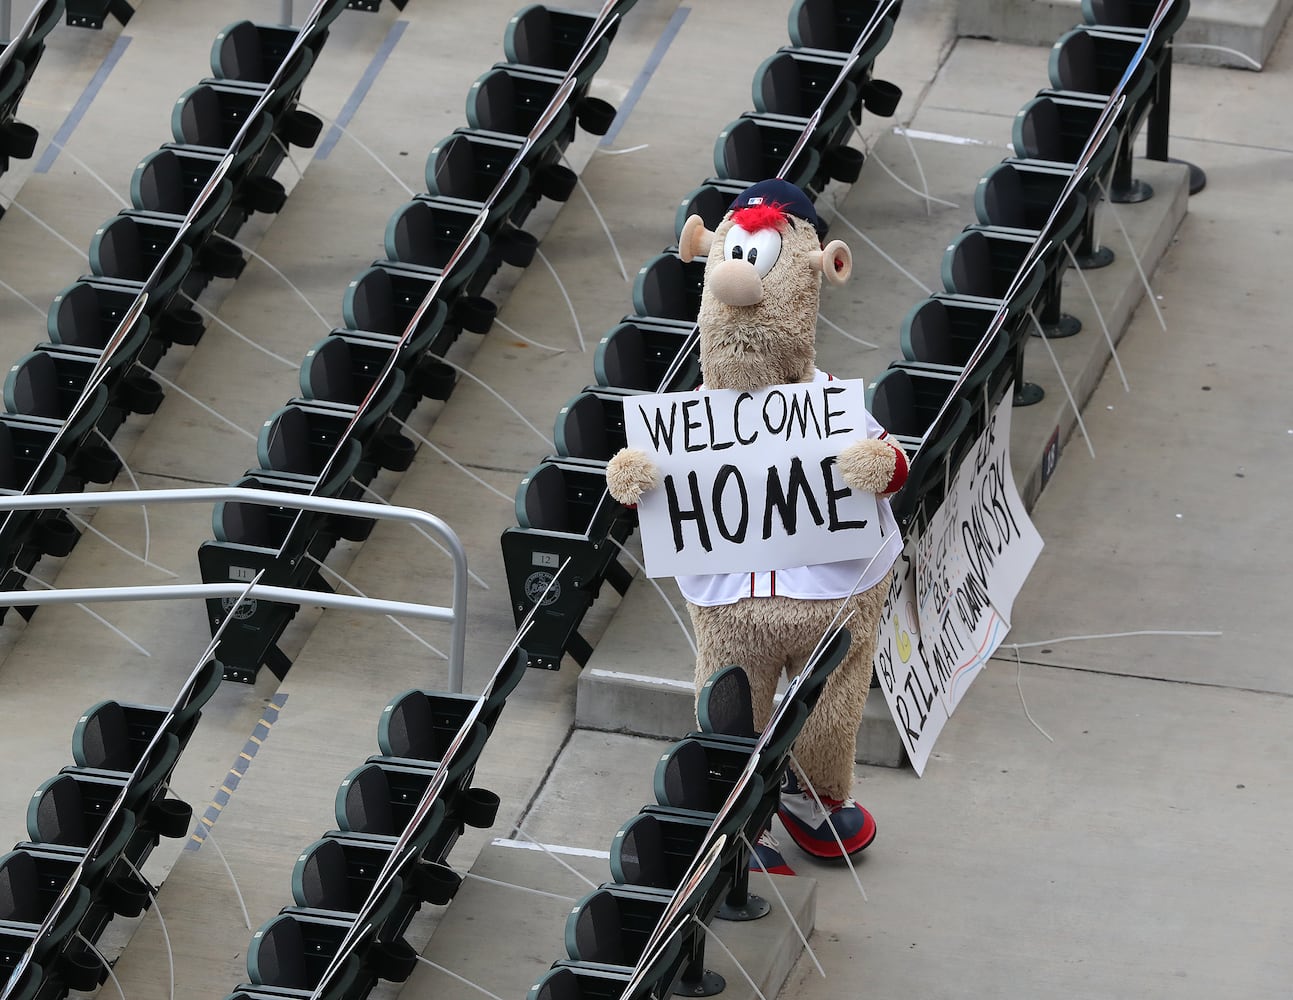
point(456, 614)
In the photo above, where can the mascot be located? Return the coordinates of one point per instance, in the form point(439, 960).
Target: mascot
point(758, 320)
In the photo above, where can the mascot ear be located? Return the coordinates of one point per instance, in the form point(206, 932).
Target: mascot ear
point(835, 261)
point(695, 240)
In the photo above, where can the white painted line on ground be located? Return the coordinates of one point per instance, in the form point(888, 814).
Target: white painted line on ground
point(643, 678)
point(525, 845)
point(955, 140)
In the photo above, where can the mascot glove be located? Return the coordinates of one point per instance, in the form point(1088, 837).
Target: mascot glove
point(873, 466)
point(629, 474)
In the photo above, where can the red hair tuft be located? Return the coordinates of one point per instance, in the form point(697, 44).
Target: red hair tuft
point(753, 218)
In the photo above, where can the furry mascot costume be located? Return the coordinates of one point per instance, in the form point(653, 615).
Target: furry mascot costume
point(758, 320)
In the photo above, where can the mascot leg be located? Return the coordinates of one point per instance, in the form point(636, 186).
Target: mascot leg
point(732, 633)
point(740, 633)
point(827, 745)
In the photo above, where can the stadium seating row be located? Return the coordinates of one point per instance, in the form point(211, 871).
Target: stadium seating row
point(357, 888)
point(401, 314)
point(91, 828)
point(65, 399)
point(18, 60)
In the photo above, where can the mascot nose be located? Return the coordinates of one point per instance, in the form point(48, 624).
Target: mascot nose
point(735, 283)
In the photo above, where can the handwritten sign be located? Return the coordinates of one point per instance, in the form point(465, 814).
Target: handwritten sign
point(748, 480)
point(912, 687)
point(949, 608)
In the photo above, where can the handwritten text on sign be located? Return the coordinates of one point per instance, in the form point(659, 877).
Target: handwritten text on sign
point(950, 611)
point(748, 480)
point(912, 684)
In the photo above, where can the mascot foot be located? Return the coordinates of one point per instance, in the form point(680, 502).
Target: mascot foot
point(810, 826)
point(768, 851)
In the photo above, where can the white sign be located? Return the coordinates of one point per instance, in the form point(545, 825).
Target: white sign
point(911, 689)
point(948, 613)
point(748, 481)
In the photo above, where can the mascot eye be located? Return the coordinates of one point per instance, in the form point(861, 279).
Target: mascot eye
point(760, 249)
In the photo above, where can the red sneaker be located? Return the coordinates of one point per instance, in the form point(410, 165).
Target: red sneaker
point(810, 825)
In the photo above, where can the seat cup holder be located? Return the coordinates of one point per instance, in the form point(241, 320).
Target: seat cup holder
point(97, 463)
point(393, 961)
point(881, 97)
point(56, 536)
point(475, 313)
point(595, 115)
point(433, 380)
point(435, 883)
point(171, 818)
point(263, 194)
point(222, 259)
point(394, 451)
point(141, 393)
point(300, 128)
point(479, 807)
point(844, 164)
point(128, 897)
point(81, 970)
point(18, 139)
point(353, 529)
point(557, 181)
point(182, 326)
point(517, 247)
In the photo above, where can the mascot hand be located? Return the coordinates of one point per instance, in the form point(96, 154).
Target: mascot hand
point(873, 466)
point(629, 474)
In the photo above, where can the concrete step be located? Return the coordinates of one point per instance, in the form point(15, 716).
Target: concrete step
point(1249, 27)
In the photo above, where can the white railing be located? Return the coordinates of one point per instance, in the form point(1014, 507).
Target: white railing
point(455, 614)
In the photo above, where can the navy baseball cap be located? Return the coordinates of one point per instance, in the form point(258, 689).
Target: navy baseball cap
point(789, 197)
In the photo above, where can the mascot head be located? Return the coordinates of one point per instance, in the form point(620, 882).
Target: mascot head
point(758, 310)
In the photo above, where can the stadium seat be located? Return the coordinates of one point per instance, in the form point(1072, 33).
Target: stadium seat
point(292, 951)
point(793, 83)
point(906, 405)
point(1018, 198)
point(563, 512)
point(834, 24)
point(511, 99)
point(1056, 130)
point(710, 201)
point(983, 261)
point(611, 925)
point(67, 810)
point(384, 298)
point(667, 287)
point(468, 167)
point(591, 424)
point(302, 439)
point(755, 147)
point(947, 332)
point(31, 880)
point(642, 354)
point(29, 46)
point(252, 52)
point(211, 116)
point(427, 232)
point(1089, 63)
point(568, 980)
point(550, 37)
